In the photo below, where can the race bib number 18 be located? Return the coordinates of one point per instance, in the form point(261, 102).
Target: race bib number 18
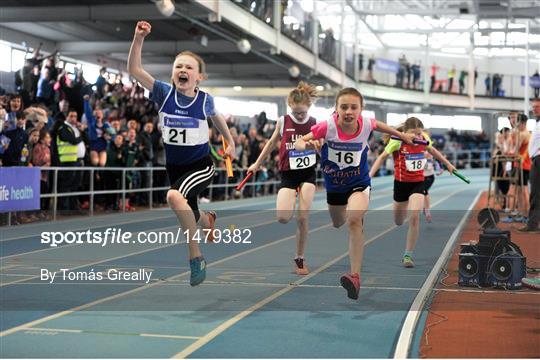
point(301, 159)
point(415, 162)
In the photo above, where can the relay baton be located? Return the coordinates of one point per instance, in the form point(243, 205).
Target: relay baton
point(241, 185)
point(228, 161)
point(415, 141)
point(456, 173)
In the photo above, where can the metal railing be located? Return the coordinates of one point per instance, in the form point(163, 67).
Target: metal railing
point(252, 187)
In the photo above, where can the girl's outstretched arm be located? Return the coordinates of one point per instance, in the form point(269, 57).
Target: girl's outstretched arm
point(134, 64)
point(377, 164)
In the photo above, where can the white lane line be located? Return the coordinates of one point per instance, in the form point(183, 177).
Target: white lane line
point(481, 291)
point(133, 291)
point(136, 290)
point(99, 332)
point(232, 321)
point(409, 325)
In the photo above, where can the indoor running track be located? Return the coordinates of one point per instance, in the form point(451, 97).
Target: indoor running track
point(251, 304)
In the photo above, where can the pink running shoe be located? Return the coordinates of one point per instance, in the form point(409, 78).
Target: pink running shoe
point(351, 283)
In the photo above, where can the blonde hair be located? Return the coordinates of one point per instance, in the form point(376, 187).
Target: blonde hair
point(200, 61)
point(350, 91)
point(410, 123)
point(303, 94)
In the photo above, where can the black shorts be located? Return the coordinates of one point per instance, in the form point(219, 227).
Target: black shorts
point(402, 190)
point(292, 179)
point(428, 181)
point(525, 177)
point(191, 180)
point(342, 198)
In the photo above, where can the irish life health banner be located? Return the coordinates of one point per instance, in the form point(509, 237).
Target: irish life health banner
point(19, 188)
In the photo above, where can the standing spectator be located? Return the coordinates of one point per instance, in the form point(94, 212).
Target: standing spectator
point(99, 134)
point(433, 74)
point(534, 153)
point(70, 145)
point(360, 65)
point(416, 74)
point(495, 85)
point(462, 75)
point(4, 140)
point(487, 83)
point(536, 84)
point(402, 65)
point(16, 153)
point(100, 82)
point(133, 155)
point(41, 157)
point(451, 76)
point(328, 47)
point(45, 88)
point(371, 63)
point(113, 180)
point(14, 105)
point(25, 75)
point(73, 91)
point(33, 138)
point(408, 71)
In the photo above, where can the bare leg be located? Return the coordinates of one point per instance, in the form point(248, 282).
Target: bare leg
point(184, 213)
point(286, 200)
point(305, 196)
point(415, 205)
point(357, 207)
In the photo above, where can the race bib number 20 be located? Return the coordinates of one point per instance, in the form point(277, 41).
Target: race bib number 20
point(301, 159)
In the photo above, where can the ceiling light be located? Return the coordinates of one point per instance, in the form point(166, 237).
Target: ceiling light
point(237, 88)
point(165, 7)
point(244, 46)
point(294, 71)
point(319, 88)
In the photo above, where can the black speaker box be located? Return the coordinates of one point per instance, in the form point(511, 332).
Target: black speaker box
point(506, 271)
point(472, 270)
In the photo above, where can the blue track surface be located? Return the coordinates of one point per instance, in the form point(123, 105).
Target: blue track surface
point(251, 305)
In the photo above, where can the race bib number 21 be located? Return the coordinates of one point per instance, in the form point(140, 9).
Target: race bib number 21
point(182, 131)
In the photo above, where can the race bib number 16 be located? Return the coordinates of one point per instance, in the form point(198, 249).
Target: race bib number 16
point(345, 154)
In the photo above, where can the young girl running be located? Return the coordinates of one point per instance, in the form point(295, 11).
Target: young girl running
point(297, 168)
point(183, 109)
point(346, 173)
point(409, 186)
point(430, 168)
